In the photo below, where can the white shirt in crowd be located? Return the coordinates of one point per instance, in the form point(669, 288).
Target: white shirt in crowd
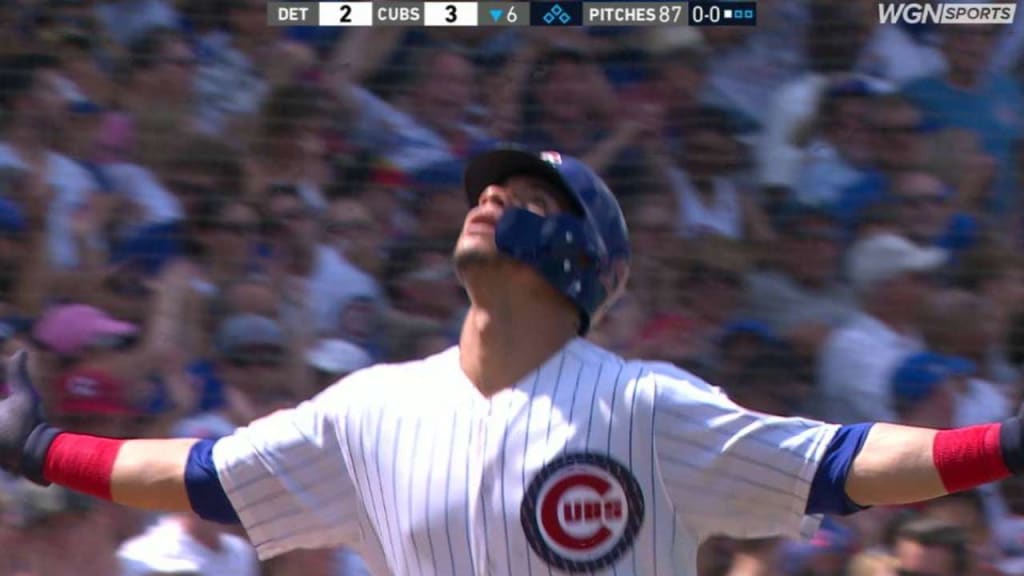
point(893, 54)
point(723, 216)
point(980, 403)
point(73, 185)
point(401, 138)
point(139, 185)
point(333, 282)
point(855, 367)
point(125, 21)
point(165, 547)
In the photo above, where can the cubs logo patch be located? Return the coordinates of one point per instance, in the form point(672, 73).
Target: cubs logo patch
point(582, 512)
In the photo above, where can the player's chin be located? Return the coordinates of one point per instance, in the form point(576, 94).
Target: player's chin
point(472, 252)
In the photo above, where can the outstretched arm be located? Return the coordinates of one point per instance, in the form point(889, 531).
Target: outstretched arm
point(901, 464)
point(895, 466)
point(148, 474)
point(887, 464)
point(284, 477)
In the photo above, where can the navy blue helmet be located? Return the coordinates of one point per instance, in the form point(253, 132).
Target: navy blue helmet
point(584, 254)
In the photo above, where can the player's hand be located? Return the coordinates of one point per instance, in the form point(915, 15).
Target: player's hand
point(24, 436)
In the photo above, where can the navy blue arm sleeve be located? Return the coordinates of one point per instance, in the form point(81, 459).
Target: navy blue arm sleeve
point(828, 489)
point(205, 493)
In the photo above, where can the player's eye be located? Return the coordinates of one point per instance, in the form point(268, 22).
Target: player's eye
point(537, 202)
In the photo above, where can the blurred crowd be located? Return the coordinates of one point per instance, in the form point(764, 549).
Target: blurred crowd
point(204, 219)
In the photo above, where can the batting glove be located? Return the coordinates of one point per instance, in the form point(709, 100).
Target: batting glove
point(25, 436)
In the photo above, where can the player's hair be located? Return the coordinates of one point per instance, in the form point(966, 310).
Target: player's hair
point(18, 75)
point(932, 533)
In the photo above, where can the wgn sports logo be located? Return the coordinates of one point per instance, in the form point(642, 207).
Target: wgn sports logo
point(946, 13)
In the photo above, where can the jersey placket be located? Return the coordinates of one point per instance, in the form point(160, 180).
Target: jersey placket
point(493, 516)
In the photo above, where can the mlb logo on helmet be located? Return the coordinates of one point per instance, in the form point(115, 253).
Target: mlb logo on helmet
point(553, 158)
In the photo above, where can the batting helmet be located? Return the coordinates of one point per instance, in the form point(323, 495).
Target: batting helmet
point(584, 254)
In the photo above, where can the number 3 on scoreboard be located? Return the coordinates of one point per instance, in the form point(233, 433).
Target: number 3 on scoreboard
point(452, 14)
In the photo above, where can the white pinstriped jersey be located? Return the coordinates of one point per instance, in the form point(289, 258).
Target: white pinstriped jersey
point(589, 464)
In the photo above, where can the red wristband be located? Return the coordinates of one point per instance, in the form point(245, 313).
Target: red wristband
point(82, 463)
point(969, 457)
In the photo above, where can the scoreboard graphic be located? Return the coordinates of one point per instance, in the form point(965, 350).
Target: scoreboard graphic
point(546, 13)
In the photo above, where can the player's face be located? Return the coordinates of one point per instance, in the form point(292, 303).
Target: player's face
point(476, 242)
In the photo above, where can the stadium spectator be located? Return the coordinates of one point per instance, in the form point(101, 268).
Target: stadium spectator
point(653, 216)
point(237, 70)
point(711, 199)
point(900, 54)
point(125, 21)
point(332, 359)
point(357, 236)
point(889, 275)
point(970, 512)
point(680, 77)
point(50, 186)
point(963, 324)
point(160, 78)
point(801, 294)
point(994, 273)
point(923, 389)
point(926, 213)
point(747, 65)
point(900, 138)
point(967, 96)
point(314, 278)
point(834, 39)
point(929, 546)
point(185, 544)
point(438, 200)
point(290, 146)
point(430, 122)
point(839, 152)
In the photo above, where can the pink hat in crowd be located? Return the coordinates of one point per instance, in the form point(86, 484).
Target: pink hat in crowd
point(69, 329)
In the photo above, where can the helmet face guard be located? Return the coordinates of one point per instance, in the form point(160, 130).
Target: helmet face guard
point(585, 256)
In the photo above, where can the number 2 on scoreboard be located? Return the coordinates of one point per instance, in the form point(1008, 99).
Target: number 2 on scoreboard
point(346, 14)
point(452, 17)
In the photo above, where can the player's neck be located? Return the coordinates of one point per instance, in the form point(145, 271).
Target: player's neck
point(502, 344)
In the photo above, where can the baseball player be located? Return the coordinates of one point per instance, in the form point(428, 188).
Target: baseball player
point(525, 449)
